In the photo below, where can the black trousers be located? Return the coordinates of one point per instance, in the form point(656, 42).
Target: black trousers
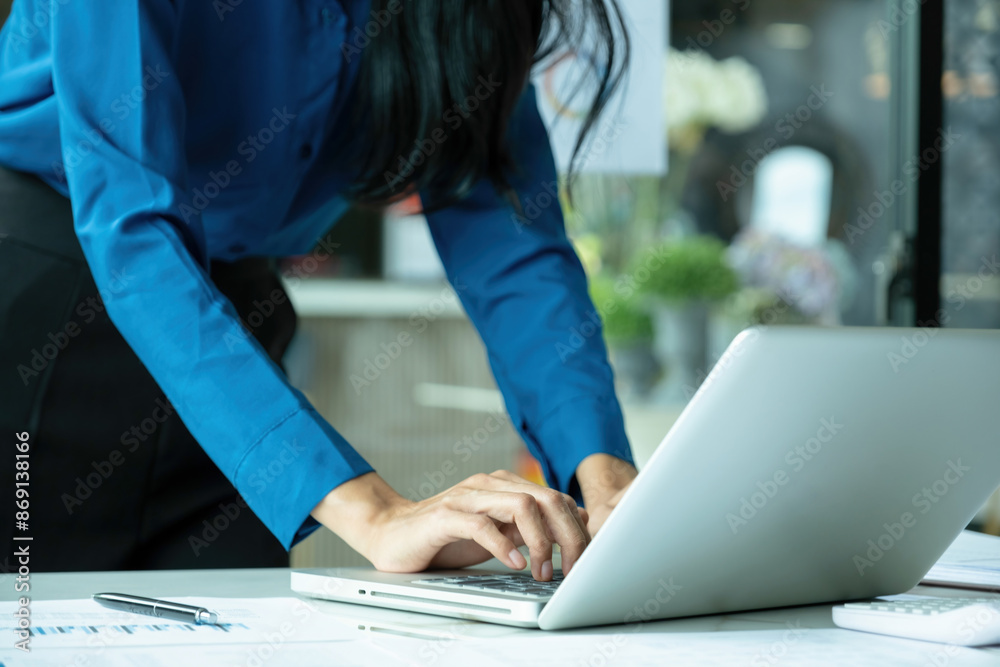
point(115, 480)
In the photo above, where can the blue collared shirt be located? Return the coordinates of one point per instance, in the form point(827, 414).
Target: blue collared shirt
point(189, 131)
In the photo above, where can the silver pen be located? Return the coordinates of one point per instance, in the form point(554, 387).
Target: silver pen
point(156, 608)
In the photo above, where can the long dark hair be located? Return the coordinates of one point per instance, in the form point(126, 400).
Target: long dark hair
point(422, 126)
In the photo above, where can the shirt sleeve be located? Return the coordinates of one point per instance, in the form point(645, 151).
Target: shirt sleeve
point(525, 290)
point(148, 262)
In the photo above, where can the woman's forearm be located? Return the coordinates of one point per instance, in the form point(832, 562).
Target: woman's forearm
point(601, 476)
point(355, 507)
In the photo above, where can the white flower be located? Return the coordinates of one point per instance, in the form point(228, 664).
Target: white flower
point(739, 101)
point(703, 92)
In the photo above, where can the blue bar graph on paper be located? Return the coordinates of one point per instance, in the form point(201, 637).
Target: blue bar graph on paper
point(132, 629)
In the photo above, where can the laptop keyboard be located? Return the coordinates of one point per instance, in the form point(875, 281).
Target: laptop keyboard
point(521, 585)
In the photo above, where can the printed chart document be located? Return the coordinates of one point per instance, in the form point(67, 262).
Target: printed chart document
point(972, 561)
point(251, 632)
point(84, 623)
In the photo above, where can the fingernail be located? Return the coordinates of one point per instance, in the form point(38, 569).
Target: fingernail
point(517, 559)
point(546, 570)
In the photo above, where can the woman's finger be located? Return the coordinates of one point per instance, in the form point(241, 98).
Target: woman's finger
point(519, 509)
point(558, 511)
point(480, 529)
point(508, 476)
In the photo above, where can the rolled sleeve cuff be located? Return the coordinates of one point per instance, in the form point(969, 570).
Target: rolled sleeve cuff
point(291, 469)
point(575, 430)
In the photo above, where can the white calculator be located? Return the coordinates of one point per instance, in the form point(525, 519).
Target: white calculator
point(960, 621)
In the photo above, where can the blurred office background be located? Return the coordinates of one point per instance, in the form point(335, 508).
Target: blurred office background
point(794, 131)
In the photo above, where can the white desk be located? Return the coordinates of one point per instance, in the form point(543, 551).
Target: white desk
point(759, 633)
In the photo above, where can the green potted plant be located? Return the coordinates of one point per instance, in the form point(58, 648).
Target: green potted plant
point(680, 280)
point(628, 331)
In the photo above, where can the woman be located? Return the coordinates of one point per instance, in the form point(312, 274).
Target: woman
point(155, 150)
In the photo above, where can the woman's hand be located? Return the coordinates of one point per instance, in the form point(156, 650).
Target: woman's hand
point(603, 480)
point(482, 517)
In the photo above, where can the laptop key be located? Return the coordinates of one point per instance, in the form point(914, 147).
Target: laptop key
point(520, 585)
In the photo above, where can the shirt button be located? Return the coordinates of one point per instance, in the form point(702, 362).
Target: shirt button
point(237, 248)
point(306, 151)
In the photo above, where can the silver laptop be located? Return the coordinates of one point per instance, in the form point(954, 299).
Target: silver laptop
point(813, 465)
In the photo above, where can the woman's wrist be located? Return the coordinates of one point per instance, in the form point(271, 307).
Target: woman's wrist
point(352, 509)
point(602, 476)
